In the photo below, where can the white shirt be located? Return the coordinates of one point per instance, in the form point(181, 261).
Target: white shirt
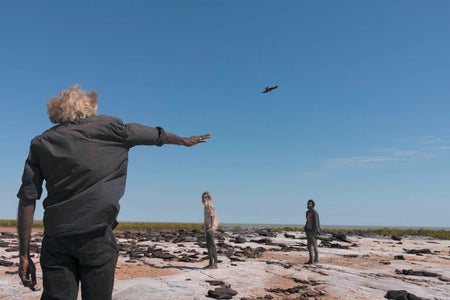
point(211, 219)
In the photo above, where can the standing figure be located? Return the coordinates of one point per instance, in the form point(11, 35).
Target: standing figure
point(83, 161)
point(211, 223)
point(312, 230)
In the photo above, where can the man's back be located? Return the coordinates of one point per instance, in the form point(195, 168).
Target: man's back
point(84, 164)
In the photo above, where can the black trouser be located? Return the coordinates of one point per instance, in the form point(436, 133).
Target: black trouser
point(211, 246)
point(89, 258)
point(312, 246)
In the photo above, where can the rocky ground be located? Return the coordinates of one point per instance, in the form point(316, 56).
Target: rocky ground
point(260, 264)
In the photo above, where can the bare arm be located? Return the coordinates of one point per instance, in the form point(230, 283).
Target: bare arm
point(187, 141)
point(25, 216)
point(211, 223)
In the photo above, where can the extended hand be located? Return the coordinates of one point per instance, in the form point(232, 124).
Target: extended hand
point(27, 272)
point(196, 139)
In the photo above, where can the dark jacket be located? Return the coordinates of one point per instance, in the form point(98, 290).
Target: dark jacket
point(312, 221)
point(84, 166)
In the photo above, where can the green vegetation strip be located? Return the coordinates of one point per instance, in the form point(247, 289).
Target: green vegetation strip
point(434, 233)
point(132, 226)
point(149, 226)
point(143, 226)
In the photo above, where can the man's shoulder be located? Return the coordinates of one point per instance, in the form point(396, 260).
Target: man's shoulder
point(38, 138)
point(102, 119)
point(209, 207)
point(108, 118)
point(99, 119)
point(212, 209)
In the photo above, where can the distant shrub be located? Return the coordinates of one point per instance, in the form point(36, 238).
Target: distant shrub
point(292, 229)
point(386, 231)
point(236, 229)
point(13, 223)
point(8, 223)
point(145, 226)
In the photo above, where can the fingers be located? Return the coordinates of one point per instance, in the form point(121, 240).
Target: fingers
point(33, 278)
point(203, 138)
point(26, 280)
point(30, 283)
point(27, 274)
point(196, 139)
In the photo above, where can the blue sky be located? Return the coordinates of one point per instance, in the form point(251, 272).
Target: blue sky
point(359, 122)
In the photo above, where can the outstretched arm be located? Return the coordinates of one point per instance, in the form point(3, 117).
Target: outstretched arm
point(187, 141)
point(25, 216)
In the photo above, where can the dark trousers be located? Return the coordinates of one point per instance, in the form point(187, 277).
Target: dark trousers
point(211, 246)
point(312, 246)
point(89, 259)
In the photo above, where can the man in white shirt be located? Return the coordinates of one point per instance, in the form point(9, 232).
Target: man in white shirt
point(211, 223)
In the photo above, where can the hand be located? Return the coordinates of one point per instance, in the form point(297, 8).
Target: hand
point(27, 272)
point(196, 139)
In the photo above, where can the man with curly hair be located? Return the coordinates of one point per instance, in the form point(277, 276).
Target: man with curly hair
point(83, 161)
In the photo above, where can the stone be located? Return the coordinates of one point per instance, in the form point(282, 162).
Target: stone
point(417, 273)
point(417, 251)
point(397, 295)
point(222, 293)
point(401, 295)
point(396, 238)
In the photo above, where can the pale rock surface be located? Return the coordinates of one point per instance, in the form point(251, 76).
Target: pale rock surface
point(366, 270)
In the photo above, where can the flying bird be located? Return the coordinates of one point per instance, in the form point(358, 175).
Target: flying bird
point(269, 89)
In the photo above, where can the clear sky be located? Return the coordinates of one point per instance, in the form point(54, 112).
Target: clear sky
point(359, 123)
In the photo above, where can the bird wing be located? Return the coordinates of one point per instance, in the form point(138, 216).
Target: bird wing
point(268, 89)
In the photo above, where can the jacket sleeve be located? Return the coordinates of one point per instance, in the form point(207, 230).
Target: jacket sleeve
point(31, 187)
point(306, 222)
point(138, 134)
point(317, 222)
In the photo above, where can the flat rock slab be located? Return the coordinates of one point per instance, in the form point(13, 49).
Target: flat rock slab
point(260, 265)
